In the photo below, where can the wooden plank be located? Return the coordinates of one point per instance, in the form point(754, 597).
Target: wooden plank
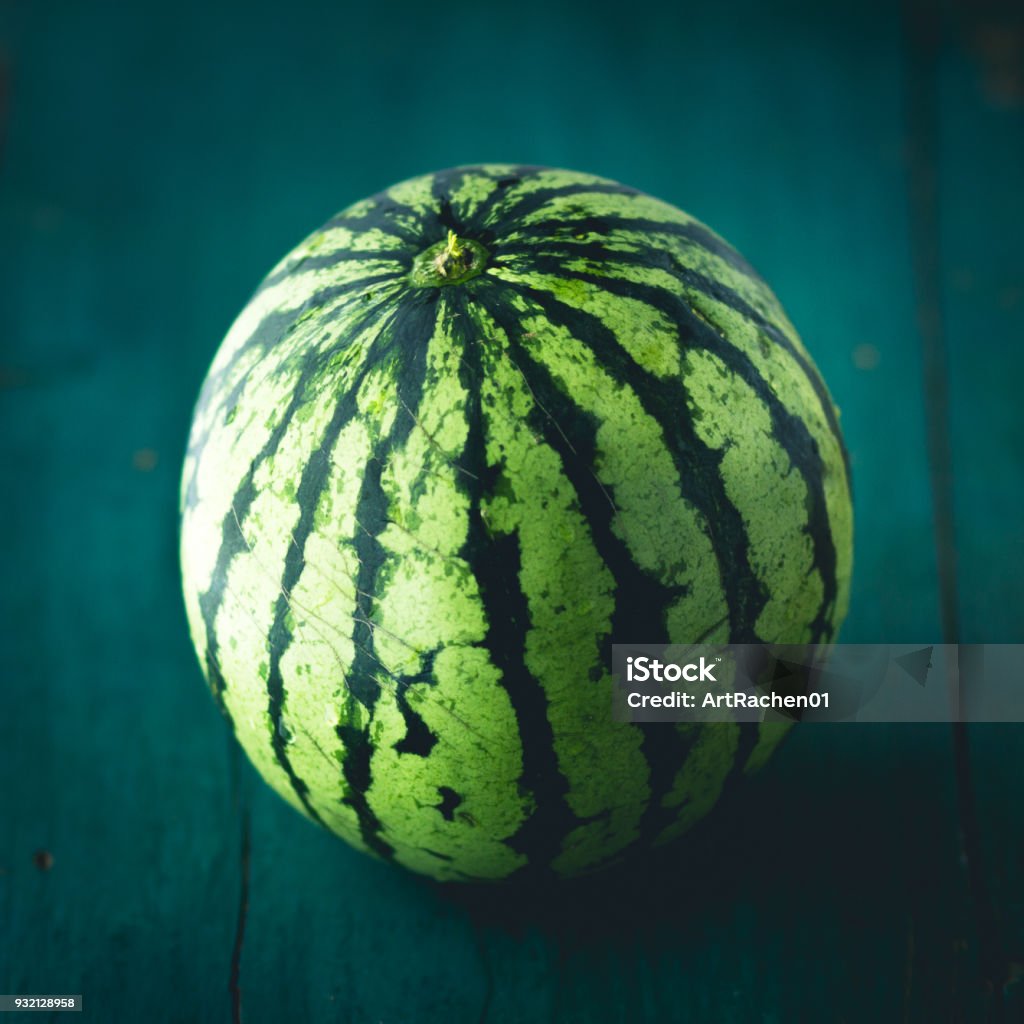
point(980, 86)
point(111, 761)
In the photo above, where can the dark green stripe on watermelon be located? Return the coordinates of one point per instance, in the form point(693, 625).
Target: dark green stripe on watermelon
point(407, 345)
point(508, 616)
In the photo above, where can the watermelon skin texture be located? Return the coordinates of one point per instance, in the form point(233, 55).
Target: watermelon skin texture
point(462, 438)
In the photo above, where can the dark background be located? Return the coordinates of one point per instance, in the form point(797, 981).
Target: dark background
point(157, 159)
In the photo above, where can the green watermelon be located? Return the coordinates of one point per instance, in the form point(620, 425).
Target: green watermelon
point(464, 437)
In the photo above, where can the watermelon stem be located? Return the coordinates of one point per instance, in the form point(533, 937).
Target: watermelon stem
point(450, 256)
point(449, 262)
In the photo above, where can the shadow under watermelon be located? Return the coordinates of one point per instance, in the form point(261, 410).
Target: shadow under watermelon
point(850, 830)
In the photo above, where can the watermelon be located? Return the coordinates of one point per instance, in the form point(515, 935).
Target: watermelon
point(467, 435)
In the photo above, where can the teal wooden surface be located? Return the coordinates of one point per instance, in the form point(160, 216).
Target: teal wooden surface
point(155, 161)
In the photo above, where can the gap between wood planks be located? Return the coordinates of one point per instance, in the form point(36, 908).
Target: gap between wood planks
point(234, 985)
point(240, 806)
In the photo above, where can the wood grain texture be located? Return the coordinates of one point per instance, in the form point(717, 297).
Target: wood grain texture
point(155, 163)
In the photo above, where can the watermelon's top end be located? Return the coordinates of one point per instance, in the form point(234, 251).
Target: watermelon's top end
point(449, 262)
